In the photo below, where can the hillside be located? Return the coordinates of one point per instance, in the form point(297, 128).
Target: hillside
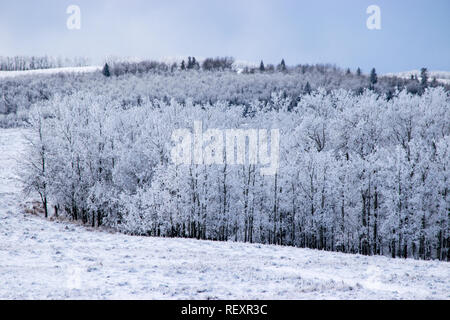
point(50, 71)
point(441, 76)
point(41, 259)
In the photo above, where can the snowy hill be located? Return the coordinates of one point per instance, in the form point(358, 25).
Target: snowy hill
point(441, 76)
point(6, 74)
point(41, 259)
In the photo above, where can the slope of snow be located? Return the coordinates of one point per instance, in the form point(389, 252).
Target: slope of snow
point(7, 74)
point(441, 76)
point(41, 259)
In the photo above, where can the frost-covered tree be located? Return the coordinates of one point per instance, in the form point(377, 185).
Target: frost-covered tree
point(358, 173)
point(373, 76)
point(424, 77)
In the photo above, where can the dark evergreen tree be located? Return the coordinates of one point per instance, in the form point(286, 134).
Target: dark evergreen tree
point(434, 83)
point(282, 66)
point(373, 77)
point(261, 66)
point(105, 70)
point(307, 88)
point(424, 77)
point(358, 72)
point(183, 65)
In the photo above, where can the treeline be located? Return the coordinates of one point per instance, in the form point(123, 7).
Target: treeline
point(358, 173)
point(18, 94)
point(239, 86)
point(23, 63)
point(382, 85)
point(118, 68)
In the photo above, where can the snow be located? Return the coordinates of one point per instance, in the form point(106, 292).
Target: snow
point(6, 74)
point(441, 76)
point(42, 259)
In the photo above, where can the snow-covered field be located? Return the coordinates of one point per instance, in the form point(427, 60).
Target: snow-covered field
point(41, 259)
point(441, 76)
point(6, 74)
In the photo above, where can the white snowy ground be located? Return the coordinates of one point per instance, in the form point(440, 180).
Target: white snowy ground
point(7, 74)
point(41, 259)
point(441, 76)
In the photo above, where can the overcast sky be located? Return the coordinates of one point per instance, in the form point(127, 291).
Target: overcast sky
point(413, 33)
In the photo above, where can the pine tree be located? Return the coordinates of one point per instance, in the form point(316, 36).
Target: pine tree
point(105, 71)
point(282, 66)
point(358, 72)
point(373, 77)
point(261, 66)
point(424, 77)
point(183, 65)
point(307, 88)
point(434, 83)
point(348, 72)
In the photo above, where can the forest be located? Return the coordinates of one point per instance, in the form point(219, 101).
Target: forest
point(363, 159)
point(215, 79)
point(24, 63)
point(359, 172)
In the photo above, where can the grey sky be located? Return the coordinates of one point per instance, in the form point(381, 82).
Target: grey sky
point(414, 33)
